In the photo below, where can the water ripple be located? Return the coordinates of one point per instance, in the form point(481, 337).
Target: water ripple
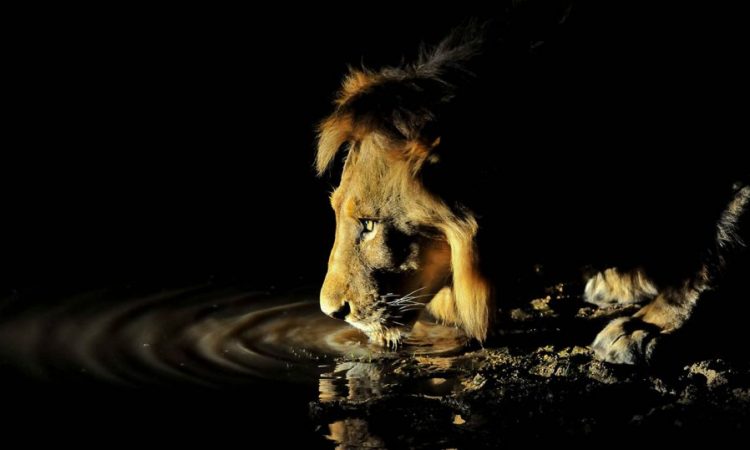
point(198, 336)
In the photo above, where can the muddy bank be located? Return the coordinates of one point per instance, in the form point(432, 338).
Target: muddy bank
point(536, 381)
point(497, 396)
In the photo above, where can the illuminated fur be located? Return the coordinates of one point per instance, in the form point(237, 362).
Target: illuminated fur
point(384, 119)
point(382, 283)
point(404, 242)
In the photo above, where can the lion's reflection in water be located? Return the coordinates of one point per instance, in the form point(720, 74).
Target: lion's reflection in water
point(361, 381)
point(353, 433)
point(357, 382)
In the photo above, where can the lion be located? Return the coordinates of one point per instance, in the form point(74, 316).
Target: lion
point(411, 234)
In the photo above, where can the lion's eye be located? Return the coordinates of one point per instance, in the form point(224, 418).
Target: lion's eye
point(367, 225)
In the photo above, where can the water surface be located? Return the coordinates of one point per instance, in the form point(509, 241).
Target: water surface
point(205, 336)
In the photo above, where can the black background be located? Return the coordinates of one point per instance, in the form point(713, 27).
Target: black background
point(175, 145)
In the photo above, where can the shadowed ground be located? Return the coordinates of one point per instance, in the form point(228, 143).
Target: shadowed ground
point(538, 382)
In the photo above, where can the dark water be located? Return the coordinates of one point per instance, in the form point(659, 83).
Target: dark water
point(229, 365)
point(267, 346)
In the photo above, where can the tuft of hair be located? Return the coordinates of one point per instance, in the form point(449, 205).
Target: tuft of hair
point(401, 103)
point(472, 293)
point(727, 233)
point(728, 240)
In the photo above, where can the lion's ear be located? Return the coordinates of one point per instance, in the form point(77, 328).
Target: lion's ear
point(332, 134)
point(471, 291)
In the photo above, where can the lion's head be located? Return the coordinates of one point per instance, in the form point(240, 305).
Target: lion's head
point(399, 246)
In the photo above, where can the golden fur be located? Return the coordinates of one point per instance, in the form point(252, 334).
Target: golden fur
point(380, 181)
point(400, 247)
point(421, 250)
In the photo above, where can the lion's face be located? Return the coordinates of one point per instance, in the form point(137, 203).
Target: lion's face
point(389, 257)
point(399, 246)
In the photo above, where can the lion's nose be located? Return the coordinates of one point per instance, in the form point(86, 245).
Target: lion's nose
point(340, 313)
point(333, 296)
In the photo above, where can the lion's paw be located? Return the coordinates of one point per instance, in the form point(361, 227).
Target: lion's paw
point(626, 341)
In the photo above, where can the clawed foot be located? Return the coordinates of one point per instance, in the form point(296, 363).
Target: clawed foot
point(626, 341)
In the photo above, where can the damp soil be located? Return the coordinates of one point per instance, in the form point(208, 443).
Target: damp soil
point(537, 381)
point(274, 355)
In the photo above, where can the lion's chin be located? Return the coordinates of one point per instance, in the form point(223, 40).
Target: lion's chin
point(379, 334)
point(388, 337)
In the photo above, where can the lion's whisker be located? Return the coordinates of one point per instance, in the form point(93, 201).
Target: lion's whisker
point(404, 302)
point(413, 308)
point(415, 291)
point(406, 307)
point(409, 299)
point(412, 297)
